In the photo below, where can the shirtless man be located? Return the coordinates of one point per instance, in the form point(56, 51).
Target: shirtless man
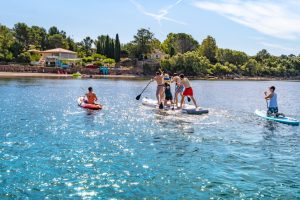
point(178, 87)
point(91, 96)
point(188, 91)
point(160, 90)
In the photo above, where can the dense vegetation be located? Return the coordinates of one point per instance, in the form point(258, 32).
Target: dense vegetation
point(15, 43)
point(208, 59)
point(182, 53)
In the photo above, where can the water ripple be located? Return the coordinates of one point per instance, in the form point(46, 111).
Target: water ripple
point(52, 149)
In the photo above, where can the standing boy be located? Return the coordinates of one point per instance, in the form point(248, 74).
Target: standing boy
point(188, 91)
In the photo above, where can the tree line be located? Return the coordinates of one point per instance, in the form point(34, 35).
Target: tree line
point(184, 54)
point(15, 43)
point(208, 59)
point(181, 52)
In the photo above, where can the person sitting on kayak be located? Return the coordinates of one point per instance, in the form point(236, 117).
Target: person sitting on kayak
point(188, 91)
point(168, 94)
point(91, 96)
point(159, 78)
point(178, 87)
point(273, 106)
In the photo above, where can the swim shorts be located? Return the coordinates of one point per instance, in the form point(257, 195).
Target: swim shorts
point(188, 92)
point(179, 89)
point(272, 110)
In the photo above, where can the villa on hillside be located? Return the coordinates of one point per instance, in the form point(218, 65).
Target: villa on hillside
point(58, 57)
point(157, 54)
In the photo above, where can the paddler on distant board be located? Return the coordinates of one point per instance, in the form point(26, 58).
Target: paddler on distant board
point(160, 89)
point(188, 91)
point(91, 96)
point(272, 106)
point(178, 87)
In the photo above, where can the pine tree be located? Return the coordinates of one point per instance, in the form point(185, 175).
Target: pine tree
point(117, 48)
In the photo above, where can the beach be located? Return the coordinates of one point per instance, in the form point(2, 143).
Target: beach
point(133, 77)
point(52, 75)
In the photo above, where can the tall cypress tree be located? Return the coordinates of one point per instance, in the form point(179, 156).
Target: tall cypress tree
point(107, 47)
point(98, 47)
point(117, 48)
point(112, 49)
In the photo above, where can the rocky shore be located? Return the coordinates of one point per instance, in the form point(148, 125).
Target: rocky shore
point(54, 70)
point(15, 71)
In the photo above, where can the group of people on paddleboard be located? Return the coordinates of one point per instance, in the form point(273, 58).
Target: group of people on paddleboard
point(184, 89)
point(163, 90)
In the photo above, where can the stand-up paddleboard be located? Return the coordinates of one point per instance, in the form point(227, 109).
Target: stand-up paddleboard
point(284, 120)
point(188, 109)
point(82, 104)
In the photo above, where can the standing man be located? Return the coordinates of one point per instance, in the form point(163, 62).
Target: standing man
point(160, 90)
point(178, 87)
point(188, 91)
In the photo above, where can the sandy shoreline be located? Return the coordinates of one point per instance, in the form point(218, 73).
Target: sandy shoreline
point(50, 75)
point(131, 77)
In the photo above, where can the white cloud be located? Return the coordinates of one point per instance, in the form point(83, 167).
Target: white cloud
point(276, 18)
point(162, 13)
point(276, 46)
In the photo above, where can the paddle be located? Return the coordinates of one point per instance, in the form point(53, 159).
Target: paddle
point(139, 96)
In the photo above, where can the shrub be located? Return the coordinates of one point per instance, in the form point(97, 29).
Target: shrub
point(98, 63)
point(98, 57)
point(109, 61)
point(24, 57)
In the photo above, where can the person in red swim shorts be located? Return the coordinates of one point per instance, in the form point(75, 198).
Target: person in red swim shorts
point(188, 90)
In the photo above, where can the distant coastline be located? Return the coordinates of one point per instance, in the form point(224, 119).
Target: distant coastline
point(134, 77)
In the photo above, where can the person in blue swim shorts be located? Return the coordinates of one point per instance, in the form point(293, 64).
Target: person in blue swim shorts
point(178, 87)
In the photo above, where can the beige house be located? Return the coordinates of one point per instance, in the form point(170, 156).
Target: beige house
point(58, 57)
point(157, 54)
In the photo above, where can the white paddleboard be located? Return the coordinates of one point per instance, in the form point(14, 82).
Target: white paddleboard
point(284, 120)
point(188, 109)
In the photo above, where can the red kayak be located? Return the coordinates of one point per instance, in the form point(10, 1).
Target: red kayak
point(82, 104)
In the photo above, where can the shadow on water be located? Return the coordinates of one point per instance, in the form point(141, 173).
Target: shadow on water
point(91, 112)
point(90, 117)
point(270, 127)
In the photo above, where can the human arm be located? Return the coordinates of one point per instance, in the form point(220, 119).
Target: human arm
point(173, 79)
point(96, 98)
point(154, 78)
point(268, 96)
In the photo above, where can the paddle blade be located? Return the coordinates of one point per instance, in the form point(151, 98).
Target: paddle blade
point(138, 97)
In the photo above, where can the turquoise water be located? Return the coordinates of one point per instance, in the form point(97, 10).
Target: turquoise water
point(51, 148)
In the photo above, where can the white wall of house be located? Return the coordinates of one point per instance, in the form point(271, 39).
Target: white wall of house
point(60, 55)
point(67, 56)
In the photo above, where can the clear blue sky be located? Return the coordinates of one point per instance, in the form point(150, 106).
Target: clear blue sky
point(247, 25)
